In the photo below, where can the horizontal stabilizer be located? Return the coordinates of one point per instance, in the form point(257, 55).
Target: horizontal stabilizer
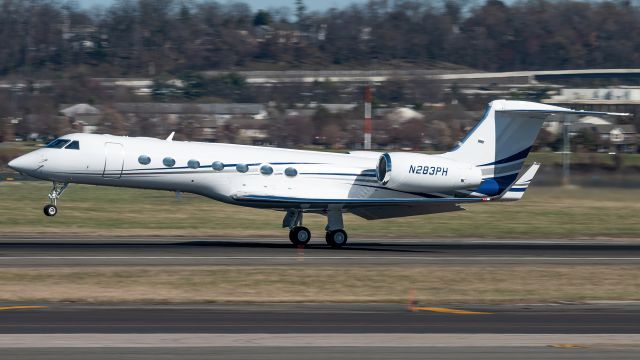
point(563, 111)
point(516, 191)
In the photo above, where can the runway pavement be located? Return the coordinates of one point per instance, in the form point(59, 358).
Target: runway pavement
point(320, 331)
point(294, 331)
point(45, 251)
point(321, 319)
point(322, 353)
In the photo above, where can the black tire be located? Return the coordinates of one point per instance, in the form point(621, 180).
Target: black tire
point(50, 210)
point(300, 236)
point(337, 238)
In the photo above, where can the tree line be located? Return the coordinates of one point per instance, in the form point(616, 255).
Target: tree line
point(153, 37)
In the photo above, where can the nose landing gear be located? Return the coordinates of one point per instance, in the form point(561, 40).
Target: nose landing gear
point(58, 188)
point(50, 210)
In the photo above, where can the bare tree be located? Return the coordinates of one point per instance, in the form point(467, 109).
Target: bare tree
point(189, 123)
point(113, 122)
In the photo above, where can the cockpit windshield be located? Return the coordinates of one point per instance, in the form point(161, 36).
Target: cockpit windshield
point(75, 145)
point(58, 143)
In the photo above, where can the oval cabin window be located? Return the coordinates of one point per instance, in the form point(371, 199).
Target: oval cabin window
point(290, 171)
point(193, 164)
point(266, 169)
point(168, 162)
point(144, 160)
point(217, 166)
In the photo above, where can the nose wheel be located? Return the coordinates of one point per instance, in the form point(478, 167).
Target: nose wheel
point(58, 188)
point(50, 210)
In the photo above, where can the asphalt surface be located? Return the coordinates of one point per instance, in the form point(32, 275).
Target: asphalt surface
point(295, 331)
point(314, 319)
point(50, 251)
point(321, 353)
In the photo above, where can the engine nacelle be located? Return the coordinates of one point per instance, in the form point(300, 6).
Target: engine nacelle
point(425, 173)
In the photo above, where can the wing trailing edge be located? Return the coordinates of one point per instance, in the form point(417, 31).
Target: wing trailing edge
point(351, 202)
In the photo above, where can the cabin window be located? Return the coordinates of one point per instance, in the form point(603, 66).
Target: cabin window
point(57, 143)
point(144, 160)
point(266, 169)
point(290, 171)
point(193, 164)
point(243, 168)
point(217, 166)
point(169, 162)
point(74, 145)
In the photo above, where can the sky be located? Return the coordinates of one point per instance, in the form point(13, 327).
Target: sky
point(257, 4)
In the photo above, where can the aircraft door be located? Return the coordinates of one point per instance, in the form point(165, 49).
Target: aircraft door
point(113, 160)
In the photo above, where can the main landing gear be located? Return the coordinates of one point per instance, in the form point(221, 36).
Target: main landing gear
point(58, 188)
point(300, 236)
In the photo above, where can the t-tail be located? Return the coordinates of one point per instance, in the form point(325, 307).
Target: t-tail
point(500, 143)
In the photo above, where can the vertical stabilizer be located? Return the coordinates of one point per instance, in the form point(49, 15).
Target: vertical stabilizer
point(501, 141)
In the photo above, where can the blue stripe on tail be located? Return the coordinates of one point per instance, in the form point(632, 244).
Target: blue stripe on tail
point(496, 185)
point(517, 156)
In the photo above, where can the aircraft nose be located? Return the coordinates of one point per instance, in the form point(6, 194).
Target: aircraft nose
point(21, 164)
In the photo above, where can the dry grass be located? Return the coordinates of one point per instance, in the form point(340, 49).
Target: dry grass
point(544, 213)
point(304, 283)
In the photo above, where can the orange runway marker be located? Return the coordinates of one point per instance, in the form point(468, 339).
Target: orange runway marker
point(450, 311)
point(22, 307)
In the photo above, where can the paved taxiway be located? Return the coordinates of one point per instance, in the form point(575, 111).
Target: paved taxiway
point(294, 331)
point(322, 353)
point(35, 251)
point(325, 319)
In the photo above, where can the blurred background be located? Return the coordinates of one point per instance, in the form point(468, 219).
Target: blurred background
point(294, 73)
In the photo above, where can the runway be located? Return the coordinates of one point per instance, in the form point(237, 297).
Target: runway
point(293, 331)
point(316, 331)
point(321, 319)
point(58, 251)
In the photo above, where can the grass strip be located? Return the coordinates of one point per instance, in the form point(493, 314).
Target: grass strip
point(429, 284)
point(89, 210)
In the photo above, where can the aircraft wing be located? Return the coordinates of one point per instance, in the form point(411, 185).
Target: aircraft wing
point(286, 202)
point(396, 211)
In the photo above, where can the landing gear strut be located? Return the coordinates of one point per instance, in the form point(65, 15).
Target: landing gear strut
point(58, 188)
point(298, 234)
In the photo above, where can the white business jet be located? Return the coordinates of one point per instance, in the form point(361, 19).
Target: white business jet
point(483, 167)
